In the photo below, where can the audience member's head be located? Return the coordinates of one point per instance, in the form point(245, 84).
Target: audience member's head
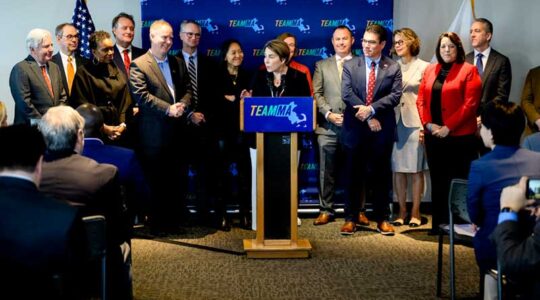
point(93, 119)
point(67, 37)
point(450, 39)
point(290, 40)
point(3, 114)
point(190, 34)
point(231, 53)
point(481, 33)
point(39, 45)
point(123, 28)
point(23, 152)
point(408, 38)
point(62, 127)
point(102, 46)
point(502, 124)
point(161, 38)
point(374, 41)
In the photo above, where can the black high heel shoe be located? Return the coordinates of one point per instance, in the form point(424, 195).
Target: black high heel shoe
point(245, 221)
point(225, 225)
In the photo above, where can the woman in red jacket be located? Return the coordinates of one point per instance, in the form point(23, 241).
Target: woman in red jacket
point(447, 101)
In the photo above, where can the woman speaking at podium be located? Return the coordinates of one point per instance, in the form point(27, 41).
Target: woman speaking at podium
point(277, 80)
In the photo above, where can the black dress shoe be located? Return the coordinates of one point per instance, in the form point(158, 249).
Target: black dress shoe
point(245, 222)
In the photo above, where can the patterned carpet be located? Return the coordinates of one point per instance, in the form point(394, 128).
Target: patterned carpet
point(209, 264)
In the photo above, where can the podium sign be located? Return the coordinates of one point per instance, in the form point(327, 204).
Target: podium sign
point(277, 122)
point(286, 114)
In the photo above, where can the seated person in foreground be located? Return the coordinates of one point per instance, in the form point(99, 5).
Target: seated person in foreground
point(518, 250)
point(134, 187)
point(40, 237)
point(502, 126)
point(71, 177)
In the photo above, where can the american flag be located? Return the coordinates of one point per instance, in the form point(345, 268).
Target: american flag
point(83, 21)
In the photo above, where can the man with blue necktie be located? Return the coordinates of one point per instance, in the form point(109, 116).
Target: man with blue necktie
point(160, 85)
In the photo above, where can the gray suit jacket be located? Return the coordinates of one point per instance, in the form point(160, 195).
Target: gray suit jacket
point(57, 59)
point(327, 93)
point(151, 92)
point(30, 92)
point(497, 77)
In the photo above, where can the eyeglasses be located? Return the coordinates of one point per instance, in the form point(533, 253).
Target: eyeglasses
point(71, 36)
point(370, 42)
point(399, 43)
point(191, 34)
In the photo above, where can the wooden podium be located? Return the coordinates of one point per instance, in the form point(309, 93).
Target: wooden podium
point(277, 122)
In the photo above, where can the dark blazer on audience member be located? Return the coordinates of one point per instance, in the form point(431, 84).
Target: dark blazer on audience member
point(497, 169)
point(79, 179)
point(118, 58)
point(37, 237)
point(519, 255)
point(30, 92)
point(496, 79)
point(385, 97)
point(79, 61)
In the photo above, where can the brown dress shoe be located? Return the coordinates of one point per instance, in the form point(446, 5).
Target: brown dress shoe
point(348, 228)
point(385, 228)
point(323, 218)
point(362, 219)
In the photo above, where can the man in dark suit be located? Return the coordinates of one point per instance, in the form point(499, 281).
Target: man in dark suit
point(160, 84)
point(66, 58)
point(38, 234)
point(131, 178)
point(371, 88)
point(123, 29)
point(493, 67)
point(203, 142)
point(71, 177)
point(36, 82)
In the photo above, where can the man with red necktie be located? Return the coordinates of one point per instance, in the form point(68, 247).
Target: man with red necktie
point(371, 88)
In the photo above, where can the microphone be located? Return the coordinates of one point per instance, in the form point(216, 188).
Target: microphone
point(282, 85)
point(270, 83)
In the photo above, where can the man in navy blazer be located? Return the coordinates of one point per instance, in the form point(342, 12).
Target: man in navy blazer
point(36, 82)
point(369, 127)
point(130, 173)
point(502, 126)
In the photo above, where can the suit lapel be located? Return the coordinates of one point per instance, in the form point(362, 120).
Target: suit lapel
point(157, 72)
point(383, 68)
point(362, 77)
point(333, 70)
point(37, 72)
point(175, 71)
point(491, 62)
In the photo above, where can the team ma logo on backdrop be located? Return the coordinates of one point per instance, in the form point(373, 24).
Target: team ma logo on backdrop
point(253, 23)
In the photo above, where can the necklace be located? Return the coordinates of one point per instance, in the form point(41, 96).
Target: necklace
point(234, 77)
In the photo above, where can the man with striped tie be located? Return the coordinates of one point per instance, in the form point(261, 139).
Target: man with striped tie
point(202, 137)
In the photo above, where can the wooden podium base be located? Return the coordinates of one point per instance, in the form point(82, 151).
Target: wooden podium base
point(277, 249)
